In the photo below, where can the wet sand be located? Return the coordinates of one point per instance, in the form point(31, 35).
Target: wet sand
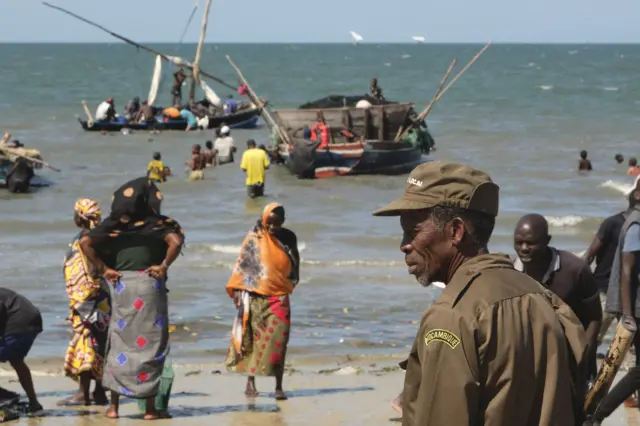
point(351, 393)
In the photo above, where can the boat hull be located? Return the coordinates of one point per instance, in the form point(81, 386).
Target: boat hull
point(370, 157)
point(242, 120)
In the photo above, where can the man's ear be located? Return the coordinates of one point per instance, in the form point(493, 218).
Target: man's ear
point(457, 230)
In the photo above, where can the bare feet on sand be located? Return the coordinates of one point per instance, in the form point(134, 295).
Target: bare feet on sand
point(280, 395)
point(111, 413)
point(396, 404)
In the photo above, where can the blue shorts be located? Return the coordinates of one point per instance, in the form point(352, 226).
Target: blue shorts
point(16, 346)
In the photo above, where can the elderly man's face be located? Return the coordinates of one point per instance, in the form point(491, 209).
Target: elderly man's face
point(427, 249)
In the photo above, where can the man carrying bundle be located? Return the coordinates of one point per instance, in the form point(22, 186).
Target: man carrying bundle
point(496, 348)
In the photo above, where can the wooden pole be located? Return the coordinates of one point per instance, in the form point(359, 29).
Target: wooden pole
point(11, 151)
point(263, 110)
point(402, 134)
point(424, 114)
point(88, 112)
point(196, 61)
point(620, 345)
point(138, 45)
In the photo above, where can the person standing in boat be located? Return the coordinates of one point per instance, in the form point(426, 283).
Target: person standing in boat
point(176, 90)
point(224, 146)
point(230, 105)
point(106, 111)
point(321, 132)
point(197, 163)
point(131, 109)
point(376, 91)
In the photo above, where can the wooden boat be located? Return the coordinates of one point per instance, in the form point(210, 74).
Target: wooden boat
point(375, 153)
point(380, 121)
point(367, 157)
point(244, 119)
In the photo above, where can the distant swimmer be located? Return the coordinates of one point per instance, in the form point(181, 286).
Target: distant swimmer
point(155, 169)
point(197, 163)
point(633, 169)
point(619, 158)
point(176, 90)
point(584, 165)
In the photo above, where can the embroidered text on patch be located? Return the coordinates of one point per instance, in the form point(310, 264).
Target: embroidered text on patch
point(414, 181)
point(443, 336)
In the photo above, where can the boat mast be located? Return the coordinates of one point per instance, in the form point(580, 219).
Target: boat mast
point(196, 60)
point(140, 46)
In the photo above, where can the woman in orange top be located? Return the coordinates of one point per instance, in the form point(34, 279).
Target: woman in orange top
point(264, 275)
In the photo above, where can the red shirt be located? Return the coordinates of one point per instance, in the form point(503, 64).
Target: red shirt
point(242, 90)
point(633, 171)
point(325, 134)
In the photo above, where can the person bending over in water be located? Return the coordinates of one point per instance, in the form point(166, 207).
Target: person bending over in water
point(584, 165)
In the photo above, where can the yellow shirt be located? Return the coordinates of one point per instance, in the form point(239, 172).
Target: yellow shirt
point(254, 162)
point(156, 170)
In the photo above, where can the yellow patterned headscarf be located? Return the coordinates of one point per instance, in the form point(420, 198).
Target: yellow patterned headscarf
point(89, 210)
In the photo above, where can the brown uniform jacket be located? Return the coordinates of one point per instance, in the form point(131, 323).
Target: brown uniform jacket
point(495, 349)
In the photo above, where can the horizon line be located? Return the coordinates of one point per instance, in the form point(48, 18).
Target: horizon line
point(533, 43)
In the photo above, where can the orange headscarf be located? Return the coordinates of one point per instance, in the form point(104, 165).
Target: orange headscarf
point(263, 266)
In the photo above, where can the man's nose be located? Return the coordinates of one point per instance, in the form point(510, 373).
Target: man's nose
point(525, 248)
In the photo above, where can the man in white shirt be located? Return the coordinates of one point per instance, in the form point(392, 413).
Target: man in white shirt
point(224, 146)
point(106, 111)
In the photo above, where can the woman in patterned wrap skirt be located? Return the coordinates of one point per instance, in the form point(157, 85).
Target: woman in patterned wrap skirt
point(134, 247)
point(264, 275)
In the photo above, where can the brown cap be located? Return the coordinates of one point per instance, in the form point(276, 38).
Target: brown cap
point(442, 183)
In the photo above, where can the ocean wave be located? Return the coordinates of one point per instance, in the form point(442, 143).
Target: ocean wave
point(622, 187)
point(610, 89)
point(230, 249)
point(564, 221)
point(352, 262)
point(405, 56)
point(546, 87)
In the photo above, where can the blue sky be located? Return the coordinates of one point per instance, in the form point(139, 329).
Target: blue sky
point(290, 21)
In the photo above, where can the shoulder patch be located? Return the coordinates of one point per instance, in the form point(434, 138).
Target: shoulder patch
point(444, 336)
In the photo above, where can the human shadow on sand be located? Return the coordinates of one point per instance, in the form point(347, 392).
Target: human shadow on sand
point(304, 393)
point(184, 411)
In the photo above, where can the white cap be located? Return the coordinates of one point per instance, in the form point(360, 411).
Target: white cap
point(363, 103)
point(224, 130)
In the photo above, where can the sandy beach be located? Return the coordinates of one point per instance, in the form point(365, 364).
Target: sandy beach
point(341, 393)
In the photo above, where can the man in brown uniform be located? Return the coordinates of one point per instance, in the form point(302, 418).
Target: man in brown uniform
point(496, 348)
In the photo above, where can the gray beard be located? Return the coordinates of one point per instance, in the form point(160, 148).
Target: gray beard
point(423, 280)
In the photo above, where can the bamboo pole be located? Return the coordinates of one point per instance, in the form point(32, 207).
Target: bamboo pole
point(402, 133)
point(139, 46)
point(263, 109)
point(620, 345)
point(88, 112)
point(196, 61)
point(453, 80)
